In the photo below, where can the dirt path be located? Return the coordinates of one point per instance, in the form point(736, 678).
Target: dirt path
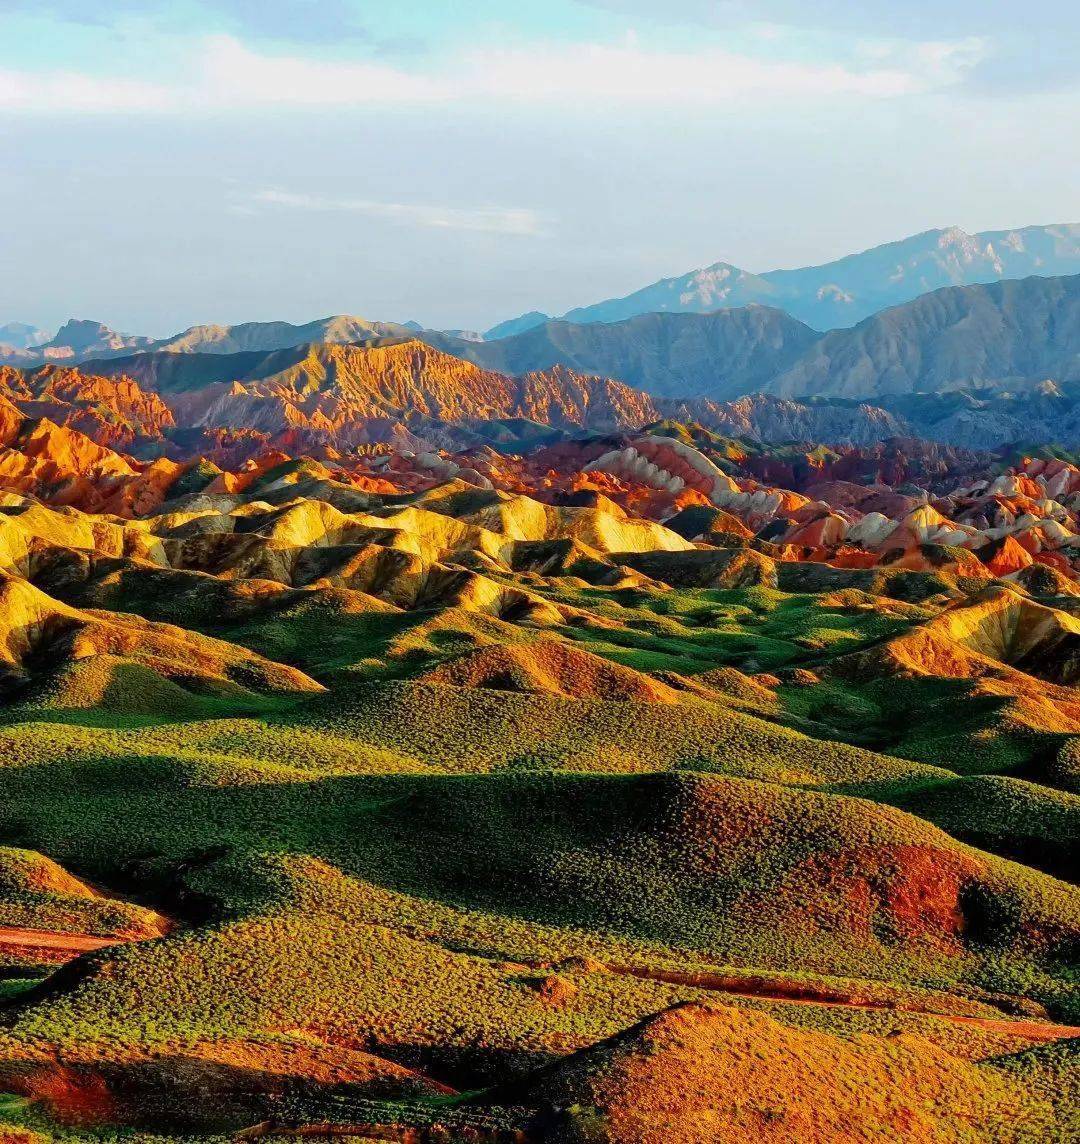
point(52, 942)
point(799, 993)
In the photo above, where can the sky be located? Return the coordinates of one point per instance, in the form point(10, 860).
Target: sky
point(172, 162)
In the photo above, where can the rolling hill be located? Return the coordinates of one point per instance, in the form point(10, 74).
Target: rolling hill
point(462, 810)
point(604, 792)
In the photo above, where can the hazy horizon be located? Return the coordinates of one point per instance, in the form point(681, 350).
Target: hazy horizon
point(225, 161)
point(300, 317)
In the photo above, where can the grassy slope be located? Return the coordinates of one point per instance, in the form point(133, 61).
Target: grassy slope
point(346, 851)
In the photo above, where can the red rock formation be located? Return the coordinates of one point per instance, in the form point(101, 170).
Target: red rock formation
point(1004, 556)
point(113, 411)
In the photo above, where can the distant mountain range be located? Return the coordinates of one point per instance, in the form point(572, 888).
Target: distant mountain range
point(978, 365)
point(264, 336)
point(842, 293)
point(1008, 334)
point(968, 365)
point(74, 342)
point(835, 295)
point(1005, 335)
point(720, 355)
point(20, 336)
point(1015, 333)
point(79, 340)
point(408, 394)
point(971, 418)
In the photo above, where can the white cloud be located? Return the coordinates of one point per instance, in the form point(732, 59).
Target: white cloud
point(233, 75)
point(76, 92)
point(516, 221)
point(226, 75)
point(632, 74)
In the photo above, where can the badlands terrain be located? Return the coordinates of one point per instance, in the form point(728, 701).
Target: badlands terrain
point(419, 747)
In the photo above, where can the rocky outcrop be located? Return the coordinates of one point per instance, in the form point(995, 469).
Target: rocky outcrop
point(335, 389)
point(79, 339)
point(113, 411)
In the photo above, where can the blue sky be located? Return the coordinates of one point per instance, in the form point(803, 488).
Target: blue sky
point(458, 163)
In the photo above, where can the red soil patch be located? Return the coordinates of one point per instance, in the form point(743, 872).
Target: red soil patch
point(697, 1074)
point(17, 938)
point(897, 892)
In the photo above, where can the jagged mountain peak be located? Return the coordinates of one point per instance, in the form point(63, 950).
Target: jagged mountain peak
point(843, 292)
point(82, 333)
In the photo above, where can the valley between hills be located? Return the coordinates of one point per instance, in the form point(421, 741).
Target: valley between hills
point(546, 738)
